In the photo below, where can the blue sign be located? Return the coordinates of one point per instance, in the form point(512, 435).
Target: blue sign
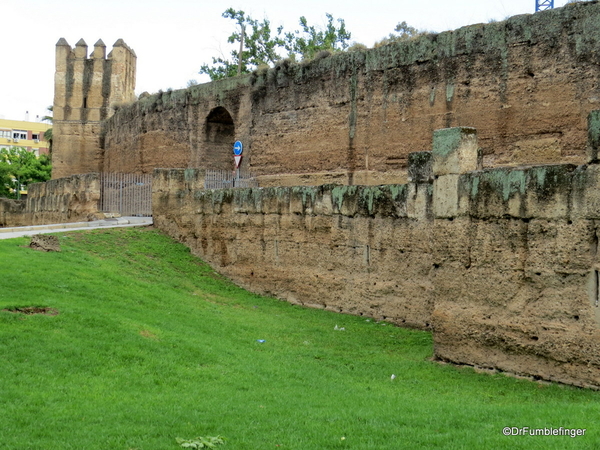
point(238, 148)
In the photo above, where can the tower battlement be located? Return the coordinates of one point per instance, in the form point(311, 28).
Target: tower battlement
point(85, 90)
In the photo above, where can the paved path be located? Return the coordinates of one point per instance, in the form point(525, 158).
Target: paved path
point(7, 233)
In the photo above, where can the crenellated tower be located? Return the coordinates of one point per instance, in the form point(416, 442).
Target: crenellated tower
point(85, 92)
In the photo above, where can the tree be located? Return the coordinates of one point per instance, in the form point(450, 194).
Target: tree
point(48, 136)
point(404, 33)
point(258, 47)
point(48, 133)
point(309, 41)
point(20, 167)
point(5, 180)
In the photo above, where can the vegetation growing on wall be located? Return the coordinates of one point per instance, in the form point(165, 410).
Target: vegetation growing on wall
point(400, 67)
point(258, 47)
point(305, 44)
point(402, 32)
point(410, 46)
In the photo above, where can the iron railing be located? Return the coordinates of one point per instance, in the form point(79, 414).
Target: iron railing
point(127, 194)
point(223, 179)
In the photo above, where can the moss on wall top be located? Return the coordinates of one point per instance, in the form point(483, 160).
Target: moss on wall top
point(218, 91)
point(572, 31)
point(539, 191)
point(388, 200)
point(545, 181)
point(579, 23)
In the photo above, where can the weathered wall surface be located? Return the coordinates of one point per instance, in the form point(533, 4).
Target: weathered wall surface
point(172, 129)
point(85, 92)
point(516, 264)
point(527, 85)
point(350, 249)
point(501, 263)
point(69, 199)
point(11, 212)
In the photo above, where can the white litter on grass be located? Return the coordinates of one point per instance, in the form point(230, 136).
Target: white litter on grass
point(339, 328)
point(393, 376)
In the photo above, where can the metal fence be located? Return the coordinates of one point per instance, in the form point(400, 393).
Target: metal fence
point(127, 194)
point(222, 179)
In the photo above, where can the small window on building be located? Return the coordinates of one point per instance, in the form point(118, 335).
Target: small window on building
point(19, 134)
point(5, 134)
point(35, 136)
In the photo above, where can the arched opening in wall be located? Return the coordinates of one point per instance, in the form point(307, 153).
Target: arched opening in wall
point(220, 137)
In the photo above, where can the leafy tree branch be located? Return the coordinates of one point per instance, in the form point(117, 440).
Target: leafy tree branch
point(20, 167)
point(258, 46)
point(309, 41)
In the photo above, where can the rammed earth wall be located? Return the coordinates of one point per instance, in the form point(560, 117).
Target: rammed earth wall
point(69, 199)
point(526, 84)
point(516, 272)
point(11, 213)
point(332, 247)
point(502, 264)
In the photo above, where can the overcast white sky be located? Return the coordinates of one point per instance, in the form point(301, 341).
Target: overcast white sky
point(172, 38)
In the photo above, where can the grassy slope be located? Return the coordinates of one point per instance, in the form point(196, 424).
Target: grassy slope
point(150, 344)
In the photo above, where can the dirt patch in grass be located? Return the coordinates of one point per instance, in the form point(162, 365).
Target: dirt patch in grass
point(148, 334)
point(30, 310)
point(45, 243)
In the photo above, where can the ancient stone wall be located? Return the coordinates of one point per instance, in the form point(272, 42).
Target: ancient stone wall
point(86, 90)
point(526, 84)
point(69, 199)
point(516, 264)
point(350, 249)
point(501, 263)
point(11, 213)
point(188, 128)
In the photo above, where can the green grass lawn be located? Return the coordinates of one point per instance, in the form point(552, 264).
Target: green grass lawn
point(150, 345)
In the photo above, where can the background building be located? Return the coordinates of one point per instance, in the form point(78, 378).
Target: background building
point(29, 135)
